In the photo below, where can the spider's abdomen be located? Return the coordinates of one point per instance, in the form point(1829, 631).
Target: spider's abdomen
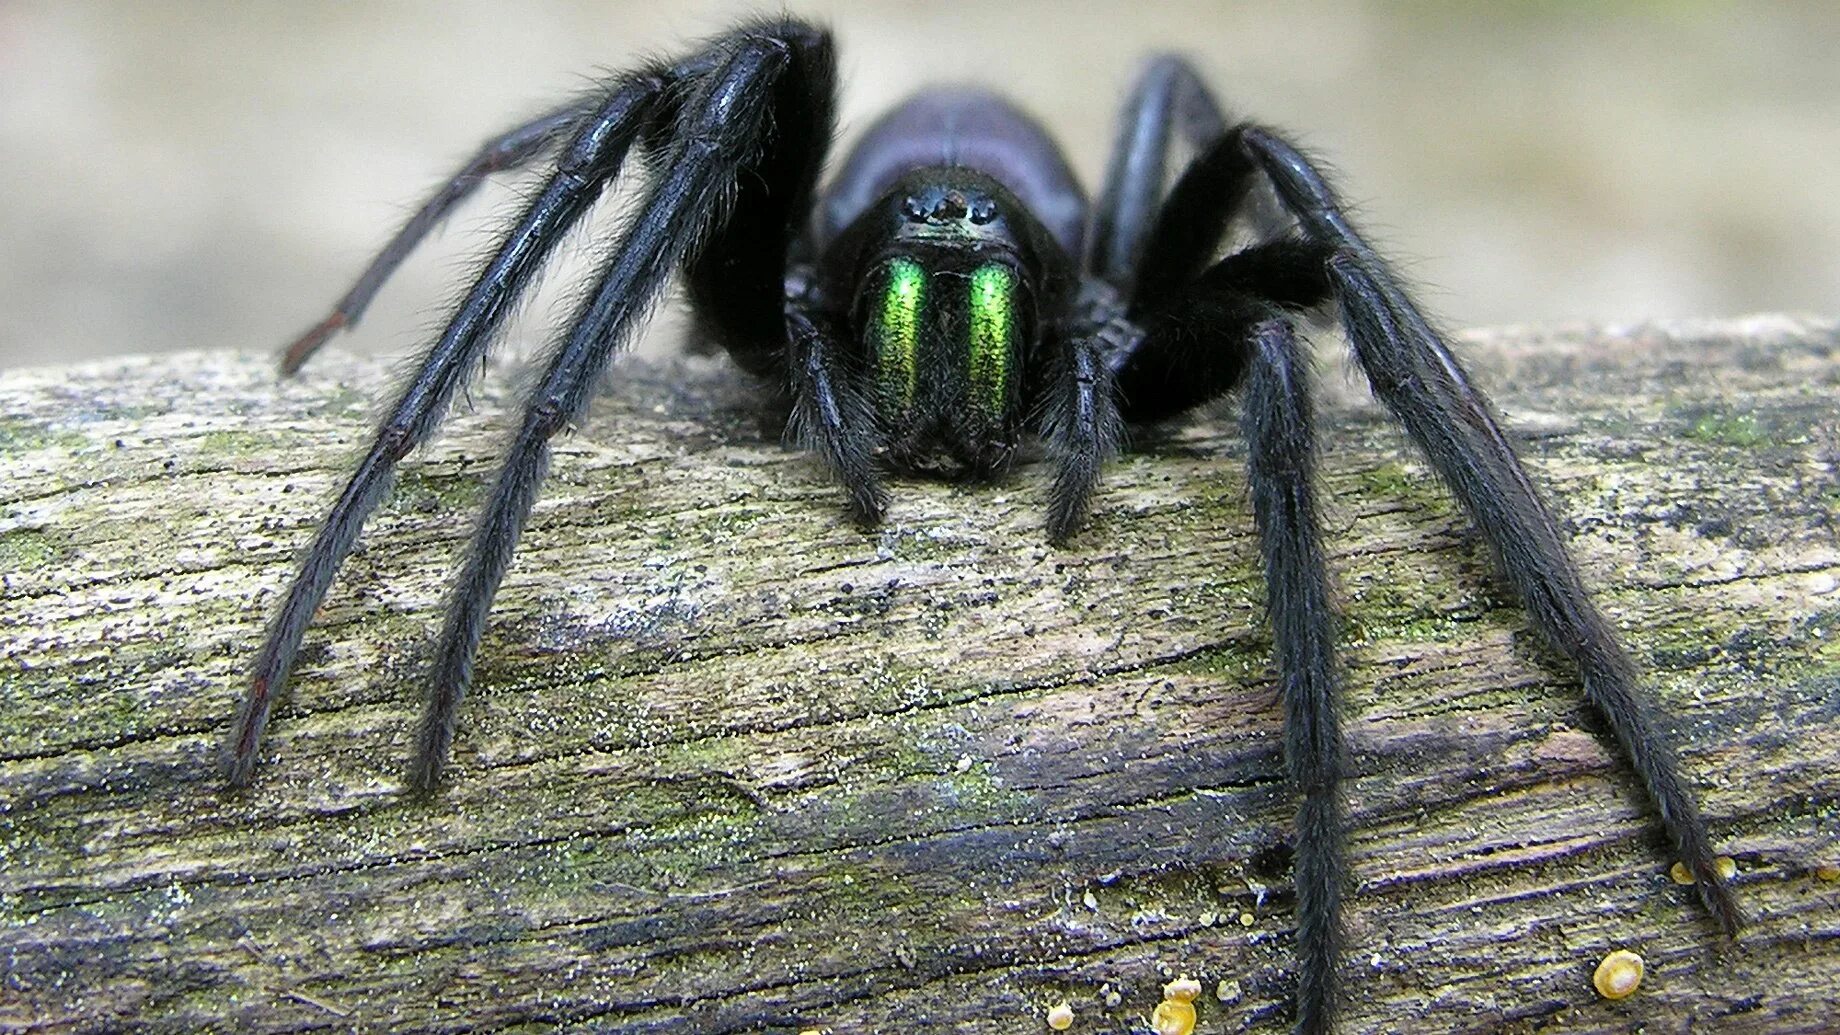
point(959, 127)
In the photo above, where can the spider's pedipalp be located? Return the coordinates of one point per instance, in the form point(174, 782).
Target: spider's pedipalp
point(830, 415)
point(1082, 428)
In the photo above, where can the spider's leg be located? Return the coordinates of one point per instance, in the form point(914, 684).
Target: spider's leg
point(751, 295)
point(1420, 381)
point(738, 281)
point(508, 150)
point(1169, 97)
point(1195, 346)
point(1081, 421)
point(1179, 362)
point(592, 159)
point(719, 130)
point(830, 415)
point(1276, 422)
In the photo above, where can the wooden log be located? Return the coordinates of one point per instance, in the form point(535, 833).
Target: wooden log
point(736, 765)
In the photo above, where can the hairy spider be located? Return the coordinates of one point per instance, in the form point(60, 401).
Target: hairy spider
point(950, 288)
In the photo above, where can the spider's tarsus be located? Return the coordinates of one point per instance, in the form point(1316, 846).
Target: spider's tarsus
point(1716, 894)
point(867, 507)
point(1065, 520)
point(239, 770)
point(239, 752)
point(303, 348)
point(432, 743)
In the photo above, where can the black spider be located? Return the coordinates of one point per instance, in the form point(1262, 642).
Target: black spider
point(950, 288)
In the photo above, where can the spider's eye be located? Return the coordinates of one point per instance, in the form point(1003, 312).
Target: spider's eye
point(894, 333)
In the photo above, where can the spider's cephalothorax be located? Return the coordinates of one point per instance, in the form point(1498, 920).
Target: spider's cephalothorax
point(949, 291)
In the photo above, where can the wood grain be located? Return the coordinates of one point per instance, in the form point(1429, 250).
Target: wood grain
point(736, 765)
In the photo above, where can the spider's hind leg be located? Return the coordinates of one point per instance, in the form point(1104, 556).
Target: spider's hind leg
point(1170, 104)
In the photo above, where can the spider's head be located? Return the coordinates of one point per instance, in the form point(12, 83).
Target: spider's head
point(948, 291)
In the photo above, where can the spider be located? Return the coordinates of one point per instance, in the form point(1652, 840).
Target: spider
point(948, 290)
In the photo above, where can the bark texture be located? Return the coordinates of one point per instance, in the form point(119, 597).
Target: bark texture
point(735, 765)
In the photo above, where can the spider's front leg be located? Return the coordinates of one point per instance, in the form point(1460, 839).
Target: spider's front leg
point(713, 114)
point(1415, 374)
point(1216, 333)
point(723, 128)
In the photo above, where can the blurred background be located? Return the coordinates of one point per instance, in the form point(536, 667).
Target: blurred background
point(212, 174)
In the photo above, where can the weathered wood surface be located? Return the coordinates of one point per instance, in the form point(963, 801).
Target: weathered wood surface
point(736, 765)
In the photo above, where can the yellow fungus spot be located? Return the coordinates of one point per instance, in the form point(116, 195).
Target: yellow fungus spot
point(1619, 975)
point(1183, 989)
point(1060, 1016)
point(1724, 865)
point(1246, 920)
point(1827, 871)
point(1173, 1017)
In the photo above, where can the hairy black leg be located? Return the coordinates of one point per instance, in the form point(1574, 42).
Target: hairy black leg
point(1169, 97)
point(505, 151)
point(1192, 224)
point(1421, 382)
point(1181, 362)
point(737, 281)
point(586, 165)
point(1277, 422)
point(1081, 421)
point(719, 130)
point(830, 415)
